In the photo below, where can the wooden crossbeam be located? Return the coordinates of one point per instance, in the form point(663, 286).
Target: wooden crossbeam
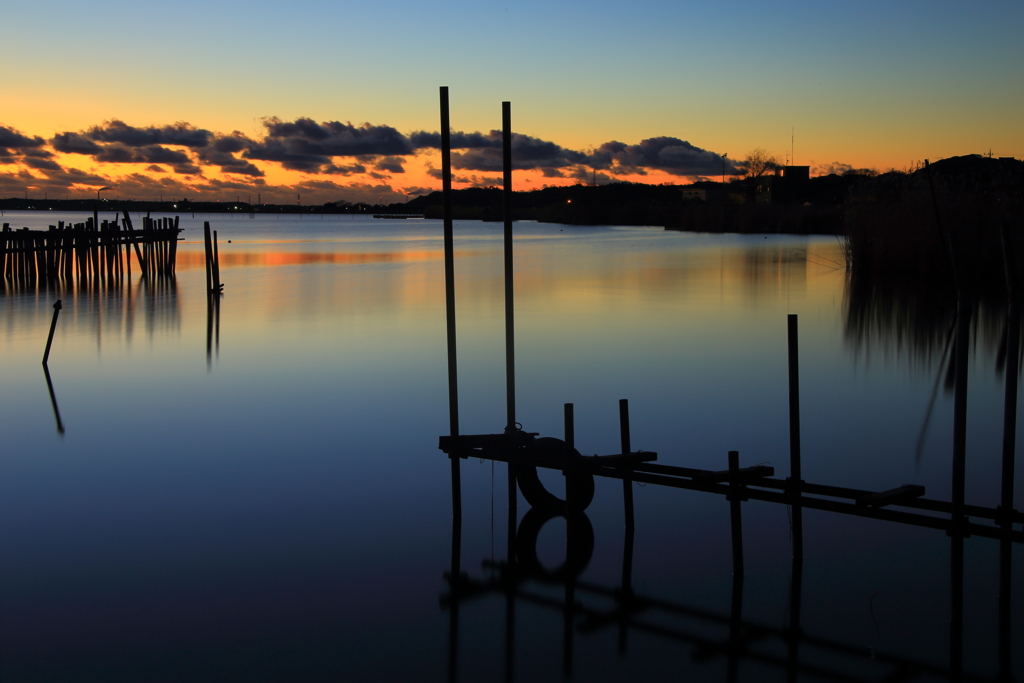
point(900, 495)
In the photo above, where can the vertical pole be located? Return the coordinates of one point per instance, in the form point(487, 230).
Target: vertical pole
point(795, 474)
point(627, 481)
point(506, 201)
point(570, 428)
point(208, 242)
point(449, 292)
point(216, 265)
point(570, 444)
point(53, 325)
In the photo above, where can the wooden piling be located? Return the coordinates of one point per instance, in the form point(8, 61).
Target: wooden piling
point(449, 266)
point(627, 480)
point(208, 243)
point(53, 326)
point(795, 474)
point(217, 286)
point(510, 335)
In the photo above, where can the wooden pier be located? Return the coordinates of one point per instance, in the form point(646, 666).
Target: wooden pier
point(90, 252)
point(524, 452)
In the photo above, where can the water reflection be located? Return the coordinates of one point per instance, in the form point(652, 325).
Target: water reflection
point(589, 608)
point(913, 322)
point(96, 309)
point(53, 400)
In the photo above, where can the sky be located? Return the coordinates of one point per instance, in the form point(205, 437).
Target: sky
point(326, 101)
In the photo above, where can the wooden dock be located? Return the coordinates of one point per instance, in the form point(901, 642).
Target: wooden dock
point(89, 252)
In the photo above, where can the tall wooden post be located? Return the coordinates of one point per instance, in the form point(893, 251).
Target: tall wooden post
point(449, 292)
point(795, 474)
point(510, 335)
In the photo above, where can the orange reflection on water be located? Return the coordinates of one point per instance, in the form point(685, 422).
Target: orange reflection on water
point(187, 260)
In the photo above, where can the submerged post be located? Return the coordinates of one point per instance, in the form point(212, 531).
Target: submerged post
point(627, 481)
point(506, 201)
point(53, 326)
point(449, 294)
point(795, 477)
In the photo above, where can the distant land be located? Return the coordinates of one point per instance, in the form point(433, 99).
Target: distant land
point(784, 200)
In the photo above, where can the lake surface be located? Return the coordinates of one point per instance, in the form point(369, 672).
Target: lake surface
point(256, 493)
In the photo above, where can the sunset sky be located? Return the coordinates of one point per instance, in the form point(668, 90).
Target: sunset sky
point(339, 101)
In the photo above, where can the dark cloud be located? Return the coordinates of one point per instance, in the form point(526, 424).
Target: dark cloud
point(187, 168)
point(181, 133)
point(42, 164)
point(391, 164)
point(11, 139)
point(333, 169)
point(667, 154)
point(305, 145)
point(424, 140)
point(155, 169)
point(74, 143)
point(528, 153)
point(231, 144)
point(278, 152)
point(150, 154)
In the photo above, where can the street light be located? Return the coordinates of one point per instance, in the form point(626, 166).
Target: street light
point(724, 157)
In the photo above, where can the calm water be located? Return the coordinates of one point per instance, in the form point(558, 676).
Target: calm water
point(259, 495)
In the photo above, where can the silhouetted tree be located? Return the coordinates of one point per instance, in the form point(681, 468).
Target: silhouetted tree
point(757, 163)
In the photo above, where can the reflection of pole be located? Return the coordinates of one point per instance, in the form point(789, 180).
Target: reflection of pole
point(455, 581)
point(209, 329)
point(53, 400)
point(795, 590)
point(53, 326)
point(794, 438)
point(626, 591)
point(956, 590)
point(510, 336)
point(511, 578)
point(449, 291)
point(569, 616)
point(1009, 455)
point(734, 510)
point(735, 628)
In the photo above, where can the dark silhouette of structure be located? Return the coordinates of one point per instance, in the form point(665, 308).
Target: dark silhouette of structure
point(524, 452)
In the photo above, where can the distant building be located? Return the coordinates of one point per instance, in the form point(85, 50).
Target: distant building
point(789, 185)
point(692, 194)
